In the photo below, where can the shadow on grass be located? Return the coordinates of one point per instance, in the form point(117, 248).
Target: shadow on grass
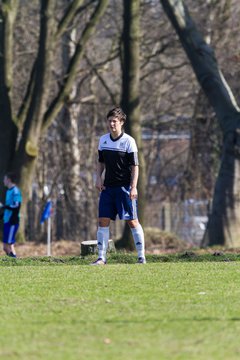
point(177, 319)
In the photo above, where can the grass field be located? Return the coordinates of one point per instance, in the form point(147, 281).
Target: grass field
point(174, 307)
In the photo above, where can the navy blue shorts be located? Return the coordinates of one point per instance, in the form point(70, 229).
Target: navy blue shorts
point(116, 201)
point(9, 232)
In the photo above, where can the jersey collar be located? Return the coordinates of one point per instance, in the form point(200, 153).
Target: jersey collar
point(119, 137)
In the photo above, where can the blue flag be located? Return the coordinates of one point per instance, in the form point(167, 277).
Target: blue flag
point(46, 212)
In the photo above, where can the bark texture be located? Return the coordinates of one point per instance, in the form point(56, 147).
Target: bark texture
point(224, 221)
point(130, 98)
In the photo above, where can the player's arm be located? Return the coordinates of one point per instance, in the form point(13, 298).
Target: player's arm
point(133, 161)
point(134, 180)
point(14, 219)
point(100, 169)
point(15, 208)
point(15, 204)
point(10, 207)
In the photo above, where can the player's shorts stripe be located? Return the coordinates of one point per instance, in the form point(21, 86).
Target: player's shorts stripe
point(125, 190)
point(134, 204)
point(11, 232)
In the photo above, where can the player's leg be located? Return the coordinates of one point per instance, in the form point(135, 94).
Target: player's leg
point(9, 232)
point(6, 230)
point(12, 252)
point(6, 248)
point(106, 212)
point(102, 240)
point(127, 210)
point(138, 237)
point(12, 240)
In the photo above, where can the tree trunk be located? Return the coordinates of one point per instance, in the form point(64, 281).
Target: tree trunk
point(223, 226)
point(70, 146)
point(203, 157)
point(130, 99)
point(8, 129)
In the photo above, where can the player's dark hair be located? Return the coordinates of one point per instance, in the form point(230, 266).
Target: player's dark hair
point(118, 113)
point(12, 176)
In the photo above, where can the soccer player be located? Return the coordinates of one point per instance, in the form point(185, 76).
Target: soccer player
point(11, 208)
point(117, 156)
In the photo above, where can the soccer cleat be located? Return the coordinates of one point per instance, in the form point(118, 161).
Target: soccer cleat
point(141, 260)
point(99, 261)
point(11, 254)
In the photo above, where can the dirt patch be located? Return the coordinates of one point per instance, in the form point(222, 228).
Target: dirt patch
point(156, 245)
point(58, 248)
point(157, 242)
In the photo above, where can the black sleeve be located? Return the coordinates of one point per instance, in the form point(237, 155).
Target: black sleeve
point(11, 207)
point(14, 219)
point(100, 156)
point(133, 158)
point(7, 207)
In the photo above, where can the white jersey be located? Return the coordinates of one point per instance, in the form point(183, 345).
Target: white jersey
point(118, 155)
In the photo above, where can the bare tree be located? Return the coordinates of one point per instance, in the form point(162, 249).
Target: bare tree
point(21, 132)
point(223, 226)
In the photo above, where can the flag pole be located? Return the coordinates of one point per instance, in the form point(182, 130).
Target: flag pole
point(49, 237)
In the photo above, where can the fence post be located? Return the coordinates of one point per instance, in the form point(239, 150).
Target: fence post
point(166, 217)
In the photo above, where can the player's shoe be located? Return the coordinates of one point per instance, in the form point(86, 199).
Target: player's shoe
point(11, 254)
point(141, 260)
point(99, 261)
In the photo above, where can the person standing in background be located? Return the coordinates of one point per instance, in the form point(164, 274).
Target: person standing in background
point(11, 216)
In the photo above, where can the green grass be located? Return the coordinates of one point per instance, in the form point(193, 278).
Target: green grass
point(175, 307)
point(123, 258)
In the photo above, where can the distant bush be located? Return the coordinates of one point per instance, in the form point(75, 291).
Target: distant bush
point(157, 239)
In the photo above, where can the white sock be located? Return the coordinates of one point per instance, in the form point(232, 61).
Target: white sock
point(138, 237)
point(102, 240)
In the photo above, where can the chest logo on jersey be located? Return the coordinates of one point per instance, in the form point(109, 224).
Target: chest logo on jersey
point(122, 145)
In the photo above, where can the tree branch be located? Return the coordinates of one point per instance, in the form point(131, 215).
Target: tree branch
point(103, 82)
point(32, 111)
point(74, 8)
point(67, 18)
point(21, 116)
point(204, 64)
point(64, 91)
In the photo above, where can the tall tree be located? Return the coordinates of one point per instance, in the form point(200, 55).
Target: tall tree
point(8, 127)
point(70, 145)
point(130, 96)
point(20, 133)
point(223, 225)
